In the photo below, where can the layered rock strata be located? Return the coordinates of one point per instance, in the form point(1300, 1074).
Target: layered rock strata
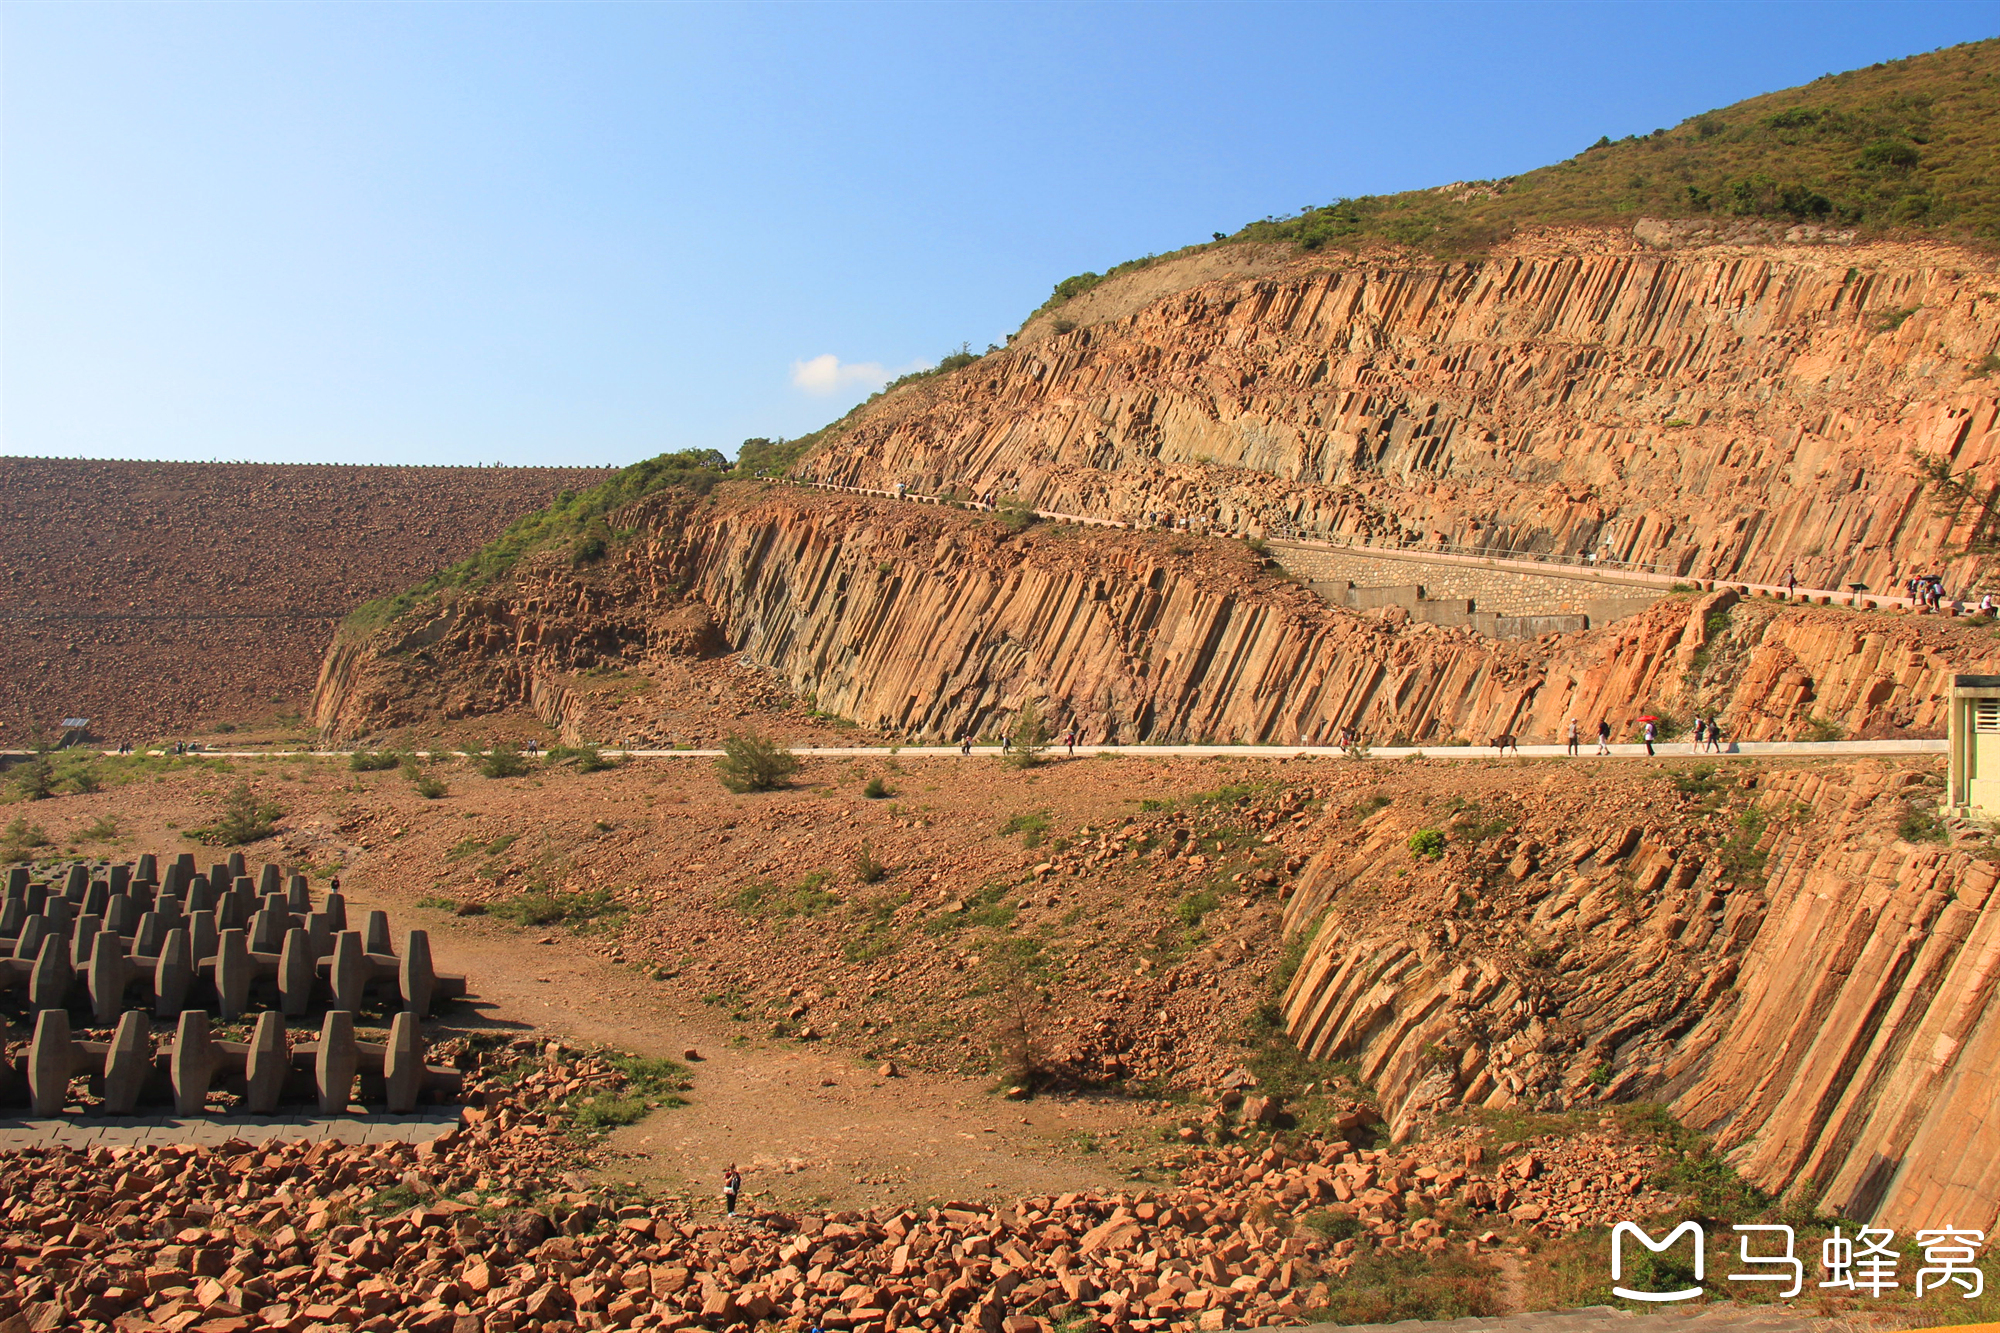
point(1719, 411)
point(920, 621)
point(1775, 963)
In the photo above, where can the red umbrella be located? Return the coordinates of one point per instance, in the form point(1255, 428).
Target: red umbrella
point(1648, 717)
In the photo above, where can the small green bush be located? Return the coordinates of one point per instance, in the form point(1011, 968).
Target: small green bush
point(1017, 514)
point(751, 763)
point(1191, 909)
point(35, 780)
point(21, 838)
point(809, 897)
point(540, 905)
point(103, 829)
point(365, 761)
point(503, 761)
point(244, 819)
point(431, 788)
point(1427, 843)
point(649, 1083)
point(586, 758)
point(1920, 825)
point(877, 790)
point(867, 869)
point(1031, 737)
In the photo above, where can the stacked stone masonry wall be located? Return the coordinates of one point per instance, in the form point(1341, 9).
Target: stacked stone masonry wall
point(1499, 591)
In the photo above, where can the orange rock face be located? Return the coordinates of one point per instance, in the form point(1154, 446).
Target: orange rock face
point(1780, 966)
point(1728, 411)
point(919, 621)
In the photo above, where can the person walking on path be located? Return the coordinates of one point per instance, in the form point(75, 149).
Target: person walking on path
point(732, 1185)
point(1700, 734)
point(1069, 741)
point(1006, 742)
point(1792, 581)
point(1603, 736)
point(965, 743)
point(1646, 734)
point(1715, 735)
point(1575, 737)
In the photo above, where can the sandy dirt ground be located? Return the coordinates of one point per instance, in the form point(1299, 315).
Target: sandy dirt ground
point(806, 1124)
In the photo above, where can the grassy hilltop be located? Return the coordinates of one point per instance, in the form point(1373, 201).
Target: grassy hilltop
point(1902, 147)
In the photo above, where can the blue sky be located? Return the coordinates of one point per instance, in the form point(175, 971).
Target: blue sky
point(452, 233)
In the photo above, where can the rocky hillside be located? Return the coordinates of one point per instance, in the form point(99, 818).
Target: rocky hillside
point(1717, 410)
point(163, 597)
point(1799, 961)
point(919, 621)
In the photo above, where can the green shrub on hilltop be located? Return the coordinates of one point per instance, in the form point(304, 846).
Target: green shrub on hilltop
point(574, 521)
point(1908, 144)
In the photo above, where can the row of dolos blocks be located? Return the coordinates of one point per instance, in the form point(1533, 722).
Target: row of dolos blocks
point(108, 938)
point(126, 1072)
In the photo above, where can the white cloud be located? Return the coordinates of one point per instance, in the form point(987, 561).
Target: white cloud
point(827, 374)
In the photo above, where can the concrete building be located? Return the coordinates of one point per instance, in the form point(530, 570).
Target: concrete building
point(1973, 785)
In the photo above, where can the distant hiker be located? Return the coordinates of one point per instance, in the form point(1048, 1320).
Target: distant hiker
point(1575, 737)
point(1700, 734)
point(732, 1185)
point(1603, 736)
point(1006, 743)
point(1715, 735)
point(333, 885)
point(1792, 581)
point(1646, 734)
point(1069, 740)
point(965, 744)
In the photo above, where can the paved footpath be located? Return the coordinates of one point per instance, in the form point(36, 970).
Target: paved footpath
point(87, 1132)
point(1716, 1317)
point(1588, 750)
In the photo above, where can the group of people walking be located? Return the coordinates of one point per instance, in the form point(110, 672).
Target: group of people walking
point(1927, 591)
point(1707, 735)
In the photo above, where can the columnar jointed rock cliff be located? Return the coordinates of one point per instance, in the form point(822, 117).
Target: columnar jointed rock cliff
point(1720, 411)
point(1810, 988)
point(923, 621)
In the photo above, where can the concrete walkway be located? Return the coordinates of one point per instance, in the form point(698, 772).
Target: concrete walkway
point(1663, 750)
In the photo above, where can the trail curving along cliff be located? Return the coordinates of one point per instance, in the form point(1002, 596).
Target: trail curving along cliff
point(1719, 410)
point(922, 621)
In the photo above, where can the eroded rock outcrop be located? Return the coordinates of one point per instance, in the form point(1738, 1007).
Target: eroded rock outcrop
point(1776, 963)
point(915, 620)
point(1727, 410)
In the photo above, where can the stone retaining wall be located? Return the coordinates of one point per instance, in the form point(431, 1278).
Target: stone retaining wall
point(1502, 592)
